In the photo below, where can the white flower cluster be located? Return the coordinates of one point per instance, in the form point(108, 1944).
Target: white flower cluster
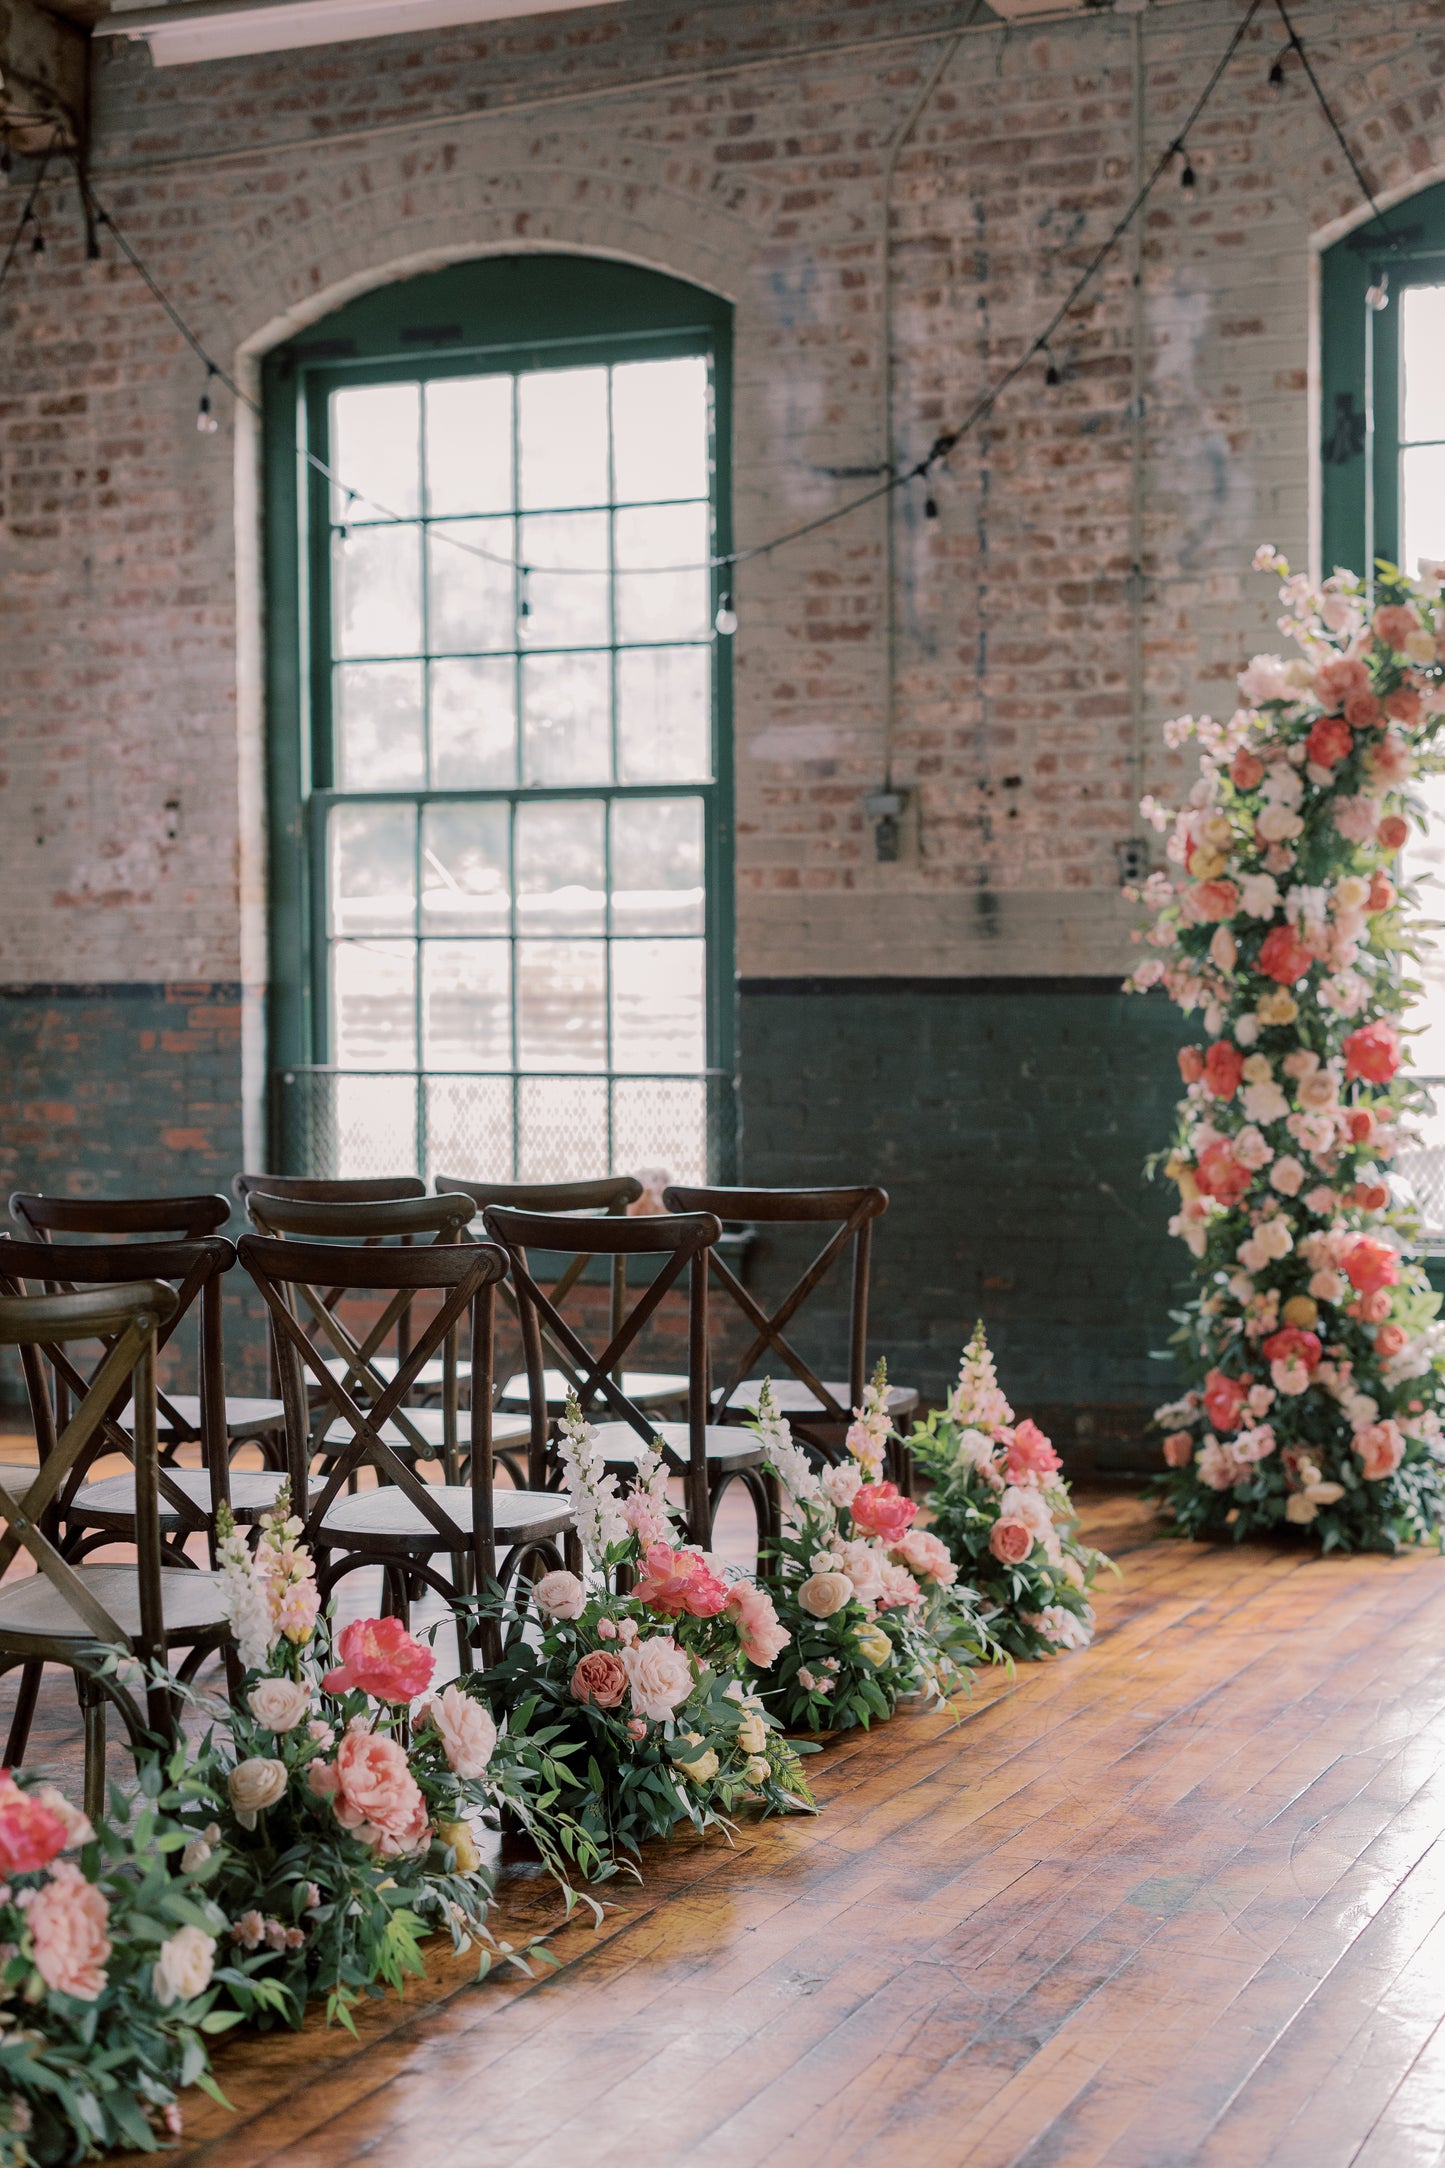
point(596, 1505)
point(789, 1462)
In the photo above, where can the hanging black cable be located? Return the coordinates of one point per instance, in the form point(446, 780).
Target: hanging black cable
point(1296, 44)
point(26, 215)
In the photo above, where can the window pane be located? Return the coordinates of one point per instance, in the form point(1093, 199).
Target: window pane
point(373, 1004)
point(661, 1123)
point(561, 882)
point(664, 713)
point(663, 605)
point(375, 1127)
point(1422, 344)
point(660, 429)
point(563, 1130)
point(657, 865)
point(561, 1005)
point(474, 724)
point(469, 444)
point(375, 450)
point(466, 991)
point(469, 1128)
point(1422, 508)
point(566, 726)
point(472, 599)
point(373, 869)
point(657, 1005)
point(464, 876)
point(378, 726)
point(567, 609)
point(376, 575)
point(562, 435)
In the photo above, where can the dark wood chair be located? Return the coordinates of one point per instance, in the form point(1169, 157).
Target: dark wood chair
point(611, 1196)
point(404, 1525)
point(706, 1456)
point(248, 1418)
point(71, 1614)
point(820, 1410)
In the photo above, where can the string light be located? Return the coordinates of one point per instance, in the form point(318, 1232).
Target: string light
point(726, 621)
point(1187, 178)
point(1275, 78)
point(206, 421)
point(930, 507)
point(1053, 375)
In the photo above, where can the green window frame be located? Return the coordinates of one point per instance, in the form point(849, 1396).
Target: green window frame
point(495, 317)
point(1361, 451)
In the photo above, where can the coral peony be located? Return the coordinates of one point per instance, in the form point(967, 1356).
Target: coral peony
point(379, 1657)
point(762, 1637)
point(676, 1581)
point(1394, 622)
point(1215, 899)
point(1191, 1063)
point(1283, 957)
point(1030, 1455)
point(1178, 1449)
point(374, 1794)
point(600, 1678)
point(1246, 770)
point(67, 1921)
point(1381, 1447)
point(31, 1833)
point(1293, 1344)
point(1393, 832)
point(1372, 1265)
point(1224, 1400)
point(880, 1509)
point(1223, 1069)
point(1330, 741)
point(1372, 1053)
point(1219, 1174)
point(1010, 1541)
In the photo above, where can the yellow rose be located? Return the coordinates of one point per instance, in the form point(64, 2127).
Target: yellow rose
point(1301, 1310)
point(458, 1837)
point(1217, 831)
point(1206, 865)
point(702, 1768)
point(1277, 1007)
point(874, 1643)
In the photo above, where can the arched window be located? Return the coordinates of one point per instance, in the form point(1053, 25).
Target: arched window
point(498, 726)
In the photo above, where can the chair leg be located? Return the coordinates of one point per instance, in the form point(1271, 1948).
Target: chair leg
point(26, 1697)
point(92, 1704)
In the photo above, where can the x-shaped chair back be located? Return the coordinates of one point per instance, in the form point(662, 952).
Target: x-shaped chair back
point(314, 1189)
point(611, 1195)
point(127, 1318)
point(683, 1242)
point(852, 1213)
point(182, 1219)
point(196, 1267)
point(291, 1275)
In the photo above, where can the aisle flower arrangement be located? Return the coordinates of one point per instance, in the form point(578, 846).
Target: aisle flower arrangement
point(332, 1811)
point(637, 1670)
point(1315, 1359)
point(872, 1603)
point(1001, 1508)
point(114, 1964)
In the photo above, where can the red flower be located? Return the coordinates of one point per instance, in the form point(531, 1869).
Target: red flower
point(880, 1509)
point(1371, 1266)
point(1191, 1064)
point(1362, 711)
point(1216, 899)
point(1283, 957)
point(1403, 705)
point(1382, 892)
point(1219, 1174)
point(1372, 1053)
point(675, 1581)
point(1223, 1069)
point(379, 1656)
point(1224, 1400)
point(1329, 742)
point(1292, 1345)
point(30, 1834)
point(1370, 1196)
point(1392, 832)
point(1246, 770)
point(1362, 1125)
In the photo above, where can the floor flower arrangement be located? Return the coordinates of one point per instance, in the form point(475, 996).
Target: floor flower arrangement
point(1312, 1345)
point(1000, 1507)
point(872, 1604)
point(638, 1672)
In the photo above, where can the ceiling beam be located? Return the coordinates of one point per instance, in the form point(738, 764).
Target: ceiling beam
point(195, 30)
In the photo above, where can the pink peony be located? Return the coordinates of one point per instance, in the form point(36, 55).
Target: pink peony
point(659, 1676)
point(379, 1657)
point(675, 1581)
point(880, 1509)
point(467, 1732)
point(900, 1591)
point(756, 1616)
point(1030, 1455)
point(1337, 680)
point(1381, 1447)
point(1010, 1541)
point(1178, 1449)
point(923, 1554)
point(600, 1678)
point(841, 1484)
point(374, 1793)
point(1394, 623)
point(1214, 900)
point(31, 1834)
point(67, 1923)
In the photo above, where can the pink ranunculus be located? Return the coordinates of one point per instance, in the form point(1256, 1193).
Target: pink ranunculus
point(31, 1834)
point(1010, 1541)
point(755, 1614)
point(676, 1581)
point(379, 1657)
point(900, 1591)
point(923, 1554)
point(880, 1509)
point(1030, 1454)
point(375, 1795)
point(467, 1733)
point(68, 1920)
point(658, 1675)
point(1381, 1447)
point(1372, 1053)
point(1178, 1449)
point(601, 1678)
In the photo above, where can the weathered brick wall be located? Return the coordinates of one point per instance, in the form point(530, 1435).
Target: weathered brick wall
point(741, 145)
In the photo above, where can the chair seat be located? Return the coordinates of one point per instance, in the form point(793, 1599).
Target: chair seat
point(430, 1374)
point(34, 1607)
point(387, 1514)
point(430, 1425)
point(620, 1445)
point(644, 1388)
point(244, 1418)
point(792, 1397)
point(112, 1498)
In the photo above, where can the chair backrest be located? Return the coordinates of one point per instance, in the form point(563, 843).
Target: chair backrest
point(297, 1275)
point(682, 1242)
point(183, 1219)
point(382, 1189)
point(196, 1269)
point(611, 1194)
point(127, 1318)
point(850, 1213)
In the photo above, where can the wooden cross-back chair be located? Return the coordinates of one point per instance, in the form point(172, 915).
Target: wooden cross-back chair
point(608, 1196)
point(246, 1418)
point(70, 1614)
point(819, 1409)
point(404, 1524)
point(706, 1456)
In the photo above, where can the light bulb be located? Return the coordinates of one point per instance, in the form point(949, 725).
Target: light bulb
point(1276, 78)
point(726, 621)
point(1377, 294)
point(206, 421)
point(1187, 177)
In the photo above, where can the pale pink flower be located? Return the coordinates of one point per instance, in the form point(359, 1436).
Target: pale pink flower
point(279, 1704)
point(763, 1638)
point(467, 1732)
point(823, 1595)
point(841, 1484)
point(374, 1793)
point(863, 1565)
point(68, 1919)
point(560, 1595)
point(923, 1554)
point(659, 1676)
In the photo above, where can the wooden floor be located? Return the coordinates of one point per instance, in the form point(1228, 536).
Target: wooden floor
point(1180, 1898)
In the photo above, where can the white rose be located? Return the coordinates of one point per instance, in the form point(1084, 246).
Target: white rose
point(279, 1704)
point(184, 1967)
point(560, 1595)
point(255, 1785)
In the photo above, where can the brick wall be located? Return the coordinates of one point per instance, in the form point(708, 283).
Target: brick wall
point(742, 146)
